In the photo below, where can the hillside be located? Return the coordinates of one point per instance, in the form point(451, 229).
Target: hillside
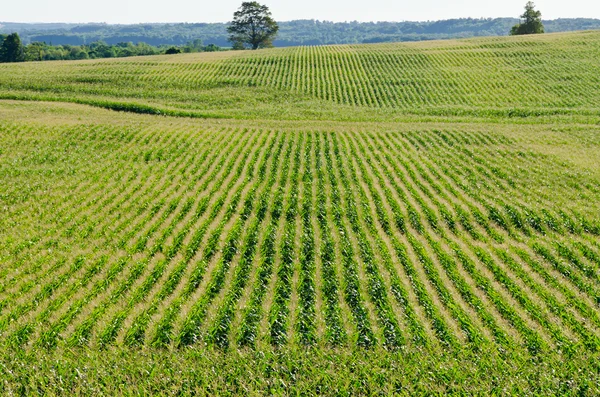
point(546, 75)
point(345, 220)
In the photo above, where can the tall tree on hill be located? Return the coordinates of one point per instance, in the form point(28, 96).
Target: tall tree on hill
point(252, 27)
point(12, 49)
point(532, 21)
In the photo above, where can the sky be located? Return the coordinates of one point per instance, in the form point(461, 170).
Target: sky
point(141, 11)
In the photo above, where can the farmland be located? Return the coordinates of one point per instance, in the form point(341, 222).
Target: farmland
point(344, 220)
point(551, 76)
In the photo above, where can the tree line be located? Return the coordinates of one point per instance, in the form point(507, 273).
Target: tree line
point(13, 50)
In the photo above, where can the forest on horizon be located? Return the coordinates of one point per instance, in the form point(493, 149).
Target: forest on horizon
point(291, 33)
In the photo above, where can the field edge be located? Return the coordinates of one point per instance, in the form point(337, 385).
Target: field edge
point(286, 372)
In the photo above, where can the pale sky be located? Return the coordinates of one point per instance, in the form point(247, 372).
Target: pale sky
point(140, 11)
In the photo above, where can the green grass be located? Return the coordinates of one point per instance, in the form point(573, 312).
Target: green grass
point(378, 219)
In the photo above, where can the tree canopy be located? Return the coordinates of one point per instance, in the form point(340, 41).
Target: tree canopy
point(252, 27)
point(12, 49)
point(531, 21)
point(291, 33)
point(173, 50)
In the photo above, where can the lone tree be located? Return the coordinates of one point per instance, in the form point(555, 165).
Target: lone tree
point(12, 49)
point(532, 22)
point(252, 27)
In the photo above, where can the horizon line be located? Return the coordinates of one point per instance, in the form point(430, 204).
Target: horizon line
point(291, 20)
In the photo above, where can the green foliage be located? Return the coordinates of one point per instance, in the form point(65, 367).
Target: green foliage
point(11, 49)
point(39, 51)
point(172, 50)
point(211, 48)
point(193, 46)
point(531, 22)
point(291, 33)
point(252, 26)
point(327, 372)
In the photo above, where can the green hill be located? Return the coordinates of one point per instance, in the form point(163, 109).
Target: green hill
point(345, 220)
point(494, 77)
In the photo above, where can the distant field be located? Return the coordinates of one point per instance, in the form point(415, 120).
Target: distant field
point(550, 75)
point(342, 220)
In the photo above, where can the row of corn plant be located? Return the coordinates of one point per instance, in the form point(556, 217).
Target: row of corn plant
point(219, 330)
point(305, 322)
point(135, 334)
point(364, 335)
point(248, 331)
point(110, 331)
point(279, 310)
point(377, 289)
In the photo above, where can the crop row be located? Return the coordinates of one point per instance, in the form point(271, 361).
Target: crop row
point(287, 237)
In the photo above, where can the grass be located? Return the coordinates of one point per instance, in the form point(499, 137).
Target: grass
point(378, 219)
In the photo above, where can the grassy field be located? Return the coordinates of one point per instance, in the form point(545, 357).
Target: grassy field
point(377, 219)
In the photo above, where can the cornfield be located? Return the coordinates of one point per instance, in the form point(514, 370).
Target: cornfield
point(467, 236)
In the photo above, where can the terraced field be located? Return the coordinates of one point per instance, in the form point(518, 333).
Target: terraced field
point(342, 220)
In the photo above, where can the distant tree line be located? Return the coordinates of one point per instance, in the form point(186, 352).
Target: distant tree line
point(12, 50)
point(294, 33)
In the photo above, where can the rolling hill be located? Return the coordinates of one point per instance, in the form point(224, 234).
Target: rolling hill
point(554, 74)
